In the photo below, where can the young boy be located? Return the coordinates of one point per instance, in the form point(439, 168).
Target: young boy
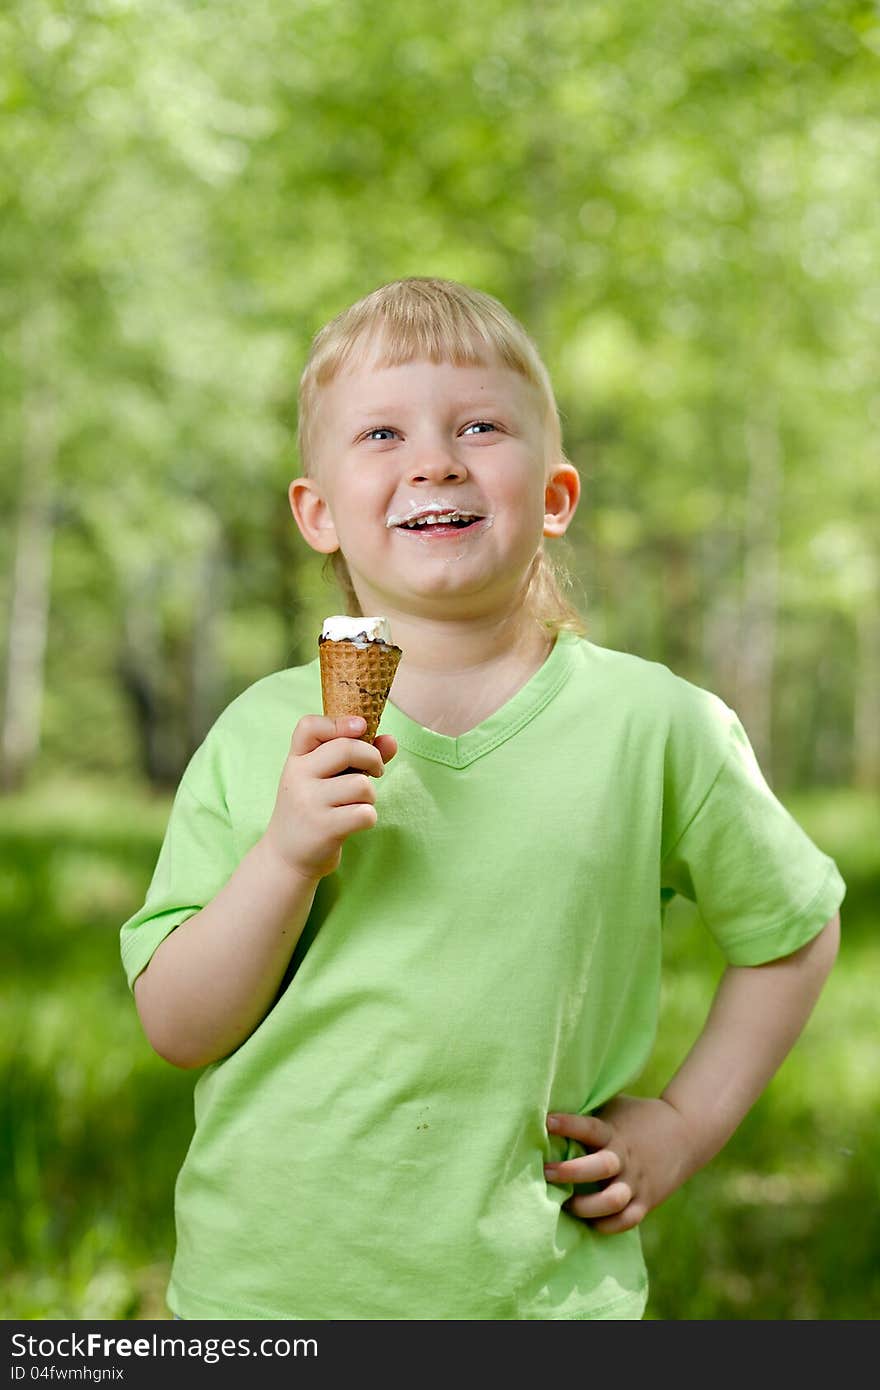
point(419, 988)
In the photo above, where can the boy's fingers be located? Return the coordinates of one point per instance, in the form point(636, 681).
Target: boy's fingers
point(351, 789)
point(315, 729)
point(346, 755)
point(591, 1168)
point(624, 1220)
point(608, 1202)
point(387, 746)
point(589, 1130)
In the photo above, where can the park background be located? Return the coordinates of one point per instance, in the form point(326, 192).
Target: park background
point(679, 200)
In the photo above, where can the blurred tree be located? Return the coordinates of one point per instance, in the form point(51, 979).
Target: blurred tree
point(28, 622)
point(676, 200)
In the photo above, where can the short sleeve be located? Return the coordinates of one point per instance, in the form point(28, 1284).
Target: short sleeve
point(196, 859)
point(761, 885)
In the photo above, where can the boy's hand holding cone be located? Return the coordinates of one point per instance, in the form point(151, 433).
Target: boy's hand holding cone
point(318, 806)
point(358, 662)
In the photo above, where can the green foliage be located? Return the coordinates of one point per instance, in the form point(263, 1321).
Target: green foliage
point(679, 203)
point(93, 1126)
point(678, 200)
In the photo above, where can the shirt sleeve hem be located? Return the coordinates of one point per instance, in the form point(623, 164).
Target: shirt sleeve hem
point(772, 943)
point(137, 950)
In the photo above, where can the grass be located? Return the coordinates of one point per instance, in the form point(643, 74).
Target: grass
point(784, 1224)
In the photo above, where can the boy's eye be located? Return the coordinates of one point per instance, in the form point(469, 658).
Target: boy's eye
point(480, 425)
point(381, 432)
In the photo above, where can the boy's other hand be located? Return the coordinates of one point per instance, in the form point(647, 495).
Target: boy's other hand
point(640, 1150)
point(317, 808)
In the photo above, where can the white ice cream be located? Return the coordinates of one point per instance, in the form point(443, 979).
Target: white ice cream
point(342, 628)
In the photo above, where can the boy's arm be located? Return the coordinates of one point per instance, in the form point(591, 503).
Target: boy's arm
point(757, 1015)
point(211, 981)
point(215, 977)
point(644, 1149)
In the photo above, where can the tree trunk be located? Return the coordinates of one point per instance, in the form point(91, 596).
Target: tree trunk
point(676, 568)
point(757, 648)
point(31, 575)
point(155, 679)
point(866, 730)
point(288, 563)
point(205, 693)
point(719, 570)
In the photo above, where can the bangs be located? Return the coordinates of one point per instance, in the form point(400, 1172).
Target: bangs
point(425, 320)
point(417, 328)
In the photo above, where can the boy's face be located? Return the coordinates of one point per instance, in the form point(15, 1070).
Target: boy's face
point(393, 442)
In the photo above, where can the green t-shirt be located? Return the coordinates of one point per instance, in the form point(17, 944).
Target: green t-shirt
point(488, 952)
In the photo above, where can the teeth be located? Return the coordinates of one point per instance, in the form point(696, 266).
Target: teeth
point(435, 520)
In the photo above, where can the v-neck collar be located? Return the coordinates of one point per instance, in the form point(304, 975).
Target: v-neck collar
point(465, 748)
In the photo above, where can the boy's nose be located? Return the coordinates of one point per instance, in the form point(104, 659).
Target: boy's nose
point(435, 465)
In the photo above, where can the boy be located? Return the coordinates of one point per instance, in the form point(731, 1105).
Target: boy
point(419, 993)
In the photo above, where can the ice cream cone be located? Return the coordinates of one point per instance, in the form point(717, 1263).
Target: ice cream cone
point(356, 679)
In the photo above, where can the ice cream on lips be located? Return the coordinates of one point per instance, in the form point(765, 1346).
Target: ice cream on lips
point(424, 515)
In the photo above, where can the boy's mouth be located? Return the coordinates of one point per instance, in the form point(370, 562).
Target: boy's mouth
point(435, 525)
point(437, 530)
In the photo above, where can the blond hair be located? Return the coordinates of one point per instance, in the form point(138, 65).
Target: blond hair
point(424, 319)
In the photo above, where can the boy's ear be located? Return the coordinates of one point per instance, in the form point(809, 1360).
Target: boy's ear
point(312, 515)
point(561, 495)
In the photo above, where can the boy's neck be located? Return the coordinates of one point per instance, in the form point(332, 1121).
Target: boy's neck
point(460, 647)
point(453, 675)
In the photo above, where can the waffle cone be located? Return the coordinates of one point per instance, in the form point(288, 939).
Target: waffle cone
point(356, 680)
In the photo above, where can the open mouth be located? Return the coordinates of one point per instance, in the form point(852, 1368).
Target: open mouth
point(434, 528)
